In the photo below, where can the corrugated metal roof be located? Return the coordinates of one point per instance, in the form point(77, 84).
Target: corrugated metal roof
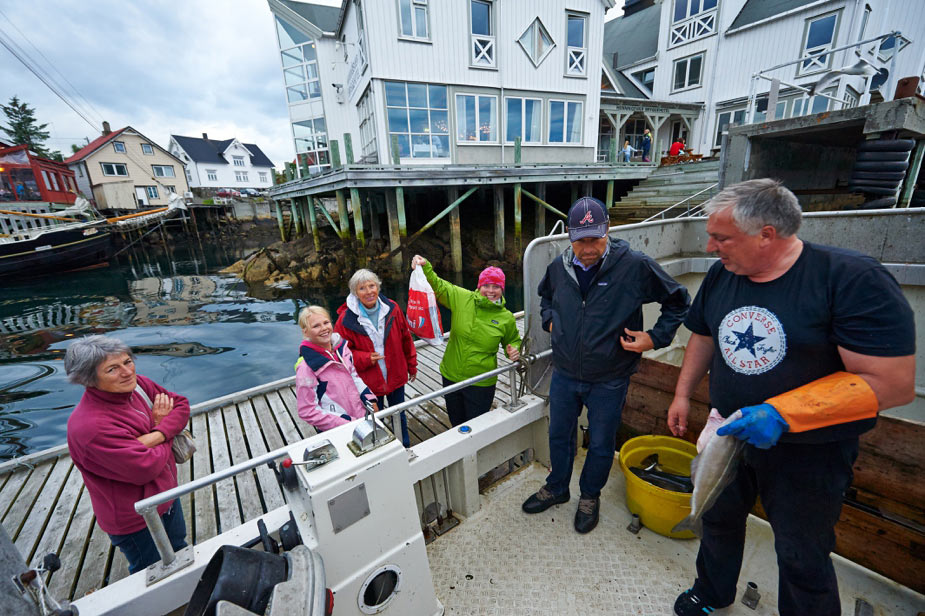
point(632, 37)
point(324, 17)
point(210, 150)
point(93, 146)
point(757, 10)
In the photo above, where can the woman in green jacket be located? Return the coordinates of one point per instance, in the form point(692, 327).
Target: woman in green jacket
point(479, 325)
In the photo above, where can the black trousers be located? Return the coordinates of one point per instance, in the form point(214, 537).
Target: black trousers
point(801, 488)
point(468, 402)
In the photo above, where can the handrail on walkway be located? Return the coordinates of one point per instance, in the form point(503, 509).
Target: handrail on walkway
point(147, 507)
point(661, 215)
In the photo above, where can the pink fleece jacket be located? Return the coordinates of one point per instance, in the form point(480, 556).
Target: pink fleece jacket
point(117, 469)
point(328, 386)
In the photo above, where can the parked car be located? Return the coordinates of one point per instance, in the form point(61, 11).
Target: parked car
point(228, 192)
point(250, 192)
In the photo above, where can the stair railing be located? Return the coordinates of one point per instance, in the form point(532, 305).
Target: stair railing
point(688, 212)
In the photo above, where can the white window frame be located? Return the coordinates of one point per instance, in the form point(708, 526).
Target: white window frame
point(812, 55)
point(865, 19)
point(687, 82)
point(161, 171)
point(523, 119)
point(212, 175)
point(238, 161)
point(147, 149)
point(240, 176)
point(641, 83)
point(172, 189)
point(119, 146)
point(692, 26)
point(576, 58)
point(152, 193)
point(536, 28)
point(407, 108)
point(483, 52)
point(719, 130)
point(478, 119)
point(415, 35)
point(369, 142)
point(565, 126)
point(262, 175)
point(115, 169)
point(189, 174)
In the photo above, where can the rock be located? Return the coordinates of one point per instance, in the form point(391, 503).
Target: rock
point(259, 269)
point(236, 268)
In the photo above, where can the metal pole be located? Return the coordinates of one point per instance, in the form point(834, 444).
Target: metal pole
point(161, 541)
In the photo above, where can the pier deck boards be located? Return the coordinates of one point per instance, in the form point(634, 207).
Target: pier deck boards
point(45, 507)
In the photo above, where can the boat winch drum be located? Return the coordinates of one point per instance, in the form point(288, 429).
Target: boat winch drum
point(238, 575)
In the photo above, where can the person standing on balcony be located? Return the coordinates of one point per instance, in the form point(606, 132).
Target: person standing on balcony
point(810, 342)
point(646, 145)
point(591, 301)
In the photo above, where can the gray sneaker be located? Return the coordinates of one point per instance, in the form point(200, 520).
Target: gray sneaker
point(543, 500)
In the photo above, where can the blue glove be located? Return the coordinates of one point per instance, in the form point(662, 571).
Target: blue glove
point(761, 425)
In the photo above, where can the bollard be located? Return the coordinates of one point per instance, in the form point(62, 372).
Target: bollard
point(751, 596)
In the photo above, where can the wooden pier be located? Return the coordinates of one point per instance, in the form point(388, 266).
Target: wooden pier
point(45, 508)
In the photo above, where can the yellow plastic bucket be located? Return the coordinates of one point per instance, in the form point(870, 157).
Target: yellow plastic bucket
point(658, 509)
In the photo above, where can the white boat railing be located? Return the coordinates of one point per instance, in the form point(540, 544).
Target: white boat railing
point(689, 212)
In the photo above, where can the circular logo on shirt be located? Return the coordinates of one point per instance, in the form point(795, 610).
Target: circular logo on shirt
point(752, 340)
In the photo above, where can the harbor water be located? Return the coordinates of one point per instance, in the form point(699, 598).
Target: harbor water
point(195, 331)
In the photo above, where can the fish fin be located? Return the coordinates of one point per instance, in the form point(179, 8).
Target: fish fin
point(691, 523)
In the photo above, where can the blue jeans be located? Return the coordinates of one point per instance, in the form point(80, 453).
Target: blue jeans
point(605, 401)
point(397, 397)
point(139, 548)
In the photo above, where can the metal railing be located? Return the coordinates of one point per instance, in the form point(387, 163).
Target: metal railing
point(688, 212)
point(147, 507)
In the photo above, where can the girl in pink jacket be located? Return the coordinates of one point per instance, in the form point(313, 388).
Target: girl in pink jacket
point(329, 390)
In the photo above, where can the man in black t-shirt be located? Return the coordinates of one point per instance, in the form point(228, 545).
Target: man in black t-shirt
point(810, 342)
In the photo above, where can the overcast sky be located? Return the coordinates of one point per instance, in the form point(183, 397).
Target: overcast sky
point(161, 66)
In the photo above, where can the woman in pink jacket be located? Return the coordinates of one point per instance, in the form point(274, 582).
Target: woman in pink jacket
point(120, 436)
point(328, 388)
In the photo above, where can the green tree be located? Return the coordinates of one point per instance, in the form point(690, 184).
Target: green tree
point(23, 129)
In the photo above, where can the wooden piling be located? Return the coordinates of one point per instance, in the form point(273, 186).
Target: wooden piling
point(296, 222)
point(279, 219)
point(311, 202)
point(499, 219)
point(574, 193)
point(342, 215)
point(394, 236)
point(355, 204)
point(540, 211)
point(374, 230)
point(455, 235)
point(399, 192)
point(518, 239)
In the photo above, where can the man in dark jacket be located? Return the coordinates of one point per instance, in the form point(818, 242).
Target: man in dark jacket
point(592, 297)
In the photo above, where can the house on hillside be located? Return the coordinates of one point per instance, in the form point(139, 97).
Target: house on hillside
point(124, 170)
point(222, 163)
point(684, 68)
point(452, 82)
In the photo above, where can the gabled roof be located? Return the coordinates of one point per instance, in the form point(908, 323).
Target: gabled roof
point(759, 10)
point(93, 146)
point(633, 37)
point(210, 150)
point(324, 17)
point(629, 88)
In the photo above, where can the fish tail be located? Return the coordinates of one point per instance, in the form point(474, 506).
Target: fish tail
point(691, 523)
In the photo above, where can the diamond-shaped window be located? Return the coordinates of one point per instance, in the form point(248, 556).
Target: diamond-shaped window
point(536, 42)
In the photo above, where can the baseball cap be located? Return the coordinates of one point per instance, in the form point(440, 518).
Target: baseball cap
point(587, 218)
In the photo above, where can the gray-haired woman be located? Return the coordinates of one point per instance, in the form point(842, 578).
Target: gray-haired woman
point(380, 339)
point(121, 442)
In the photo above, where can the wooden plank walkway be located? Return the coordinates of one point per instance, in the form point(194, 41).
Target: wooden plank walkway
point(45, 508)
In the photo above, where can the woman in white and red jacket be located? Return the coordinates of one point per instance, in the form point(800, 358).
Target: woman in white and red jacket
point(379, 337)
point(329, 391)
point(120, 442)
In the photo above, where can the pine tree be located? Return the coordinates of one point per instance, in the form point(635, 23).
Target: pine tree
point(22, 128)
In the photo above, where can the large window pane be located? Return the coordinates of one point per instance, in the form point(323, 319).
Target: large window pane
point(709, 4)
point(404, 146)
point(309, 52)
point(294, 76)
point(696, 64)
point(481, 18)
point(320, 126)
point(514, 119)
point(465, 118)
point(574, 123)
point(420, 146)
point(395, 94)
point(420, 19)
point(820, 32)
point(437, 97)
point(417, 95)
point(311, 71)
point(680, 9)
point(296, 94)
point(722, 121)
point(680, 73)
point(439, 122)
point(291, 57)
point(576, 31)
point(405, 14)
point(532, 121)
point(314, 89)
point(398, 120)
point(556, 121)
point(488, 118)
point(289, 36)
point(418, 120)
point(441, 147)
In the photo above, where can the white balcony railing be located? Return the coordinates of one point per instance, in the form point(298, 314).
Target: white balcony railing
point(692, 28)
point(483, 50)
point(576, 60)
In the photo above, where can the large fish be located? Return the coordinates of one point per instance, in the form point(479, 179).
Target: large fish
point(712, 470)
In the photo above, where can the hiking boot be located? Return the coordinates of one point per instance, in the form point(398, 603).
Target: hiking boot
point(543, 500)
point(587, 514)
point(689, 604)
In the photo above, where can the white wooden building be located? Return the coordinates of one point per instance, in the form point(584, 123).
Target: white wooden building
point(455, 81)
point(222, 163)
point(686, 67)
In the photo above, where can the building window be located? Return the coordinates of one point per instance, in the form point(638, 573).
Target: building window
point(482, 38)
point(476, 118)
point(888, 47)
point(633, 131)
point(311, 144)
point(114, 169)
point(212, 175)
point(300, 63)
point(118, 146)
point(240, 176)
point(152, 192)
point(171, 189)
point(419, 117)
point(189, 174)
point(262, 175)
point(852, 97)
point(725, 119)
point(147, 149)
point(646, 78)
point(688, 72)
point(523, 118)
point(678, 131)
point(238, 161)
point(565, 122)
point(536, 42)
point(163, 171)
point(820, 34)
point(864, 19)
point(577, 52)
point(693, 19)
point(413, 18)
point(368, 147)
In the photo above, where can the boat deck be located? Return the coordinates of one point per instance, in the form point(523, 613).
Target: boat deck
point(45, 508)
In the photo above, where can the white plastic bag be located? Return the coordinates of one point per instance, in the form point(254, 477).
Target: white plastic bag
point(423, 313)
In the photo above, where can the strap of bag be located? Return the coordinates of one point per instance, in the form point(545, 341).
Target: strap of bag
point(144, 396)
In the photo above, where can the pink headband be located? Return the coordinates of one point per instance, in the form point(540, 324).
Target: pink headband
point(491, 275)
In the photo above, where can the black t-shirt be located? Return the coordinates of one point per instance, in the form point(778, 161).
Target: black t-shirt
point(771, 337)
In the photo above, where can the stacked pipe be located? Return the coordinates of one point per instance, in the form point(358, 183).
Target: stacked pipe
point(879, 170)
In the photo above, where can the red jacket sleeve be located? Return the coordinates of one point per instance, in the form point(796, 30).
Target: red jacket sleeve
point(176, 420)
point(407, 342)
